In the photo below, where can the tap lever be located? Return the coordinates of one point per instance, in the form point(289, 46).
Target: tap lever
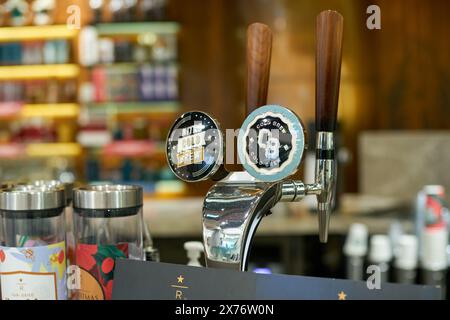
point(328, 68)
point(259, 53)
point(328, 73)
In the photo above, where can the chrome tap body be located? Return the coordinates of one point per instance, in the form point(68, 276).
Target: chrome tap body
point(233, 209)
point(325, 178)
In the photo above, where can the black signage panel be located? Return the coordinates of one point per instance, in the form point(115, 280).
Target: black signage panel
point(141, 280)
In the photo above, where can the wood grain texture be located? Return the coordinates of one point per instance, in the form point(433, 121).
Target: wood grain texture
point(259, 54)
point(330, 25)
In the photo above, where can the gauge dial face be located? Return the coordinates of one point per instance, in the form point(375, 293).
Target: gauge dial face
point(271, 143)
point(195, 147)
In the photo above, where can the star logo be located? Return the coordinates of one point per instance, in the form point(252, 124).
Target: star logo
point(180, 279)
point(342, 295)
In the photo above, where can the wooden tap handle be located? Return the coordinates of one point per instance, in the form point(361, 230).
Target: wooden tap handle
point(259, 53)
point(328, 68)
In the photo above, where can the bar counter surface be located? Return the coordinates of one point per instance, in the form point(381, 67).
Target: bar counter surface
point(183, 217)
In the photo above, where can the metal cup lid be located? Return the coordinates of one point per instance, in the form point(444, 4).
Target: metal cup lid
point(68, 187)
point(29, 197)
point(107, 197)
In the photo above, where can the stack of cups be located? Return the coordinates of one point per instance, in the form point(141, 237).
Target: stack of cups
point(406, 259)
point(432, 230)
point(355, 250)
point(381, 254)
point(434, 257)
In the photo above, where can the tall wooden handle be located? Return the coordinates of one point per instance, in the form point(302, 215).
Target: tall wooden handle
point(259, 53)
point(329, 35)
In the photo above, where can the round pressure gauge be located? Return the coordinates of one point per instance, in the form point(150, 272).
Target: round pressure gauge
point(195, 147)
point(271, 143)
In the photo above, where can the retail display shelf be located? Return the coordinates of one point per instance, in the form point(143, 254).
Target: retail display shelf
point(149, 108)
point(24, 111)
point(135, 65)
point(29, 33)
point(27, 72)
point(133, 148)
point(39, 150)
point(133, 28)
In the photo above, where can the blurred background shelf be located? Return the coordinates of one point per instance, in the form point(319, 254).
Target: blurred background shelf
point(27, 33)
point(133, 28)
point(53, 111)
point(31, 72)
point(154, 109)
point(134, 65)
point(39, 150)
point(133, 149)
point(53, 150)
point(57, 110)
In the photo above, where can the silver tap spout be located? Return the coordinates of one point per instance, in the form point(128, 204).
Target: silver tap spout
point(326, 178)
point(232, 211)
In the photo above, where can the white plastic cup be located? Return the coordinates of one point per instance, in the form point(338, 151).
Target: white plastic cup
point(356, 242)
point(407, 252)
point(380, 249)
point(434, 255)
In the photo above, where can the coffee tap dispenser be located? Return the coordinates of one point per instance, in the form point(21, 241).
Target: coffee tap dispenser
point(328, 73)
point(271, 144)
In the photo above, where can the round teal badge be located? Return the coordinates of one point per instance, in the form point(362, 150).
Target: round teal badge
point(271, 143)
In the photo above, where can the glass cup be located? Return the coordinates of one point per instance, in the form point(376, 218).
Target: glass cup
point(32, 243)
point(108, 225)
